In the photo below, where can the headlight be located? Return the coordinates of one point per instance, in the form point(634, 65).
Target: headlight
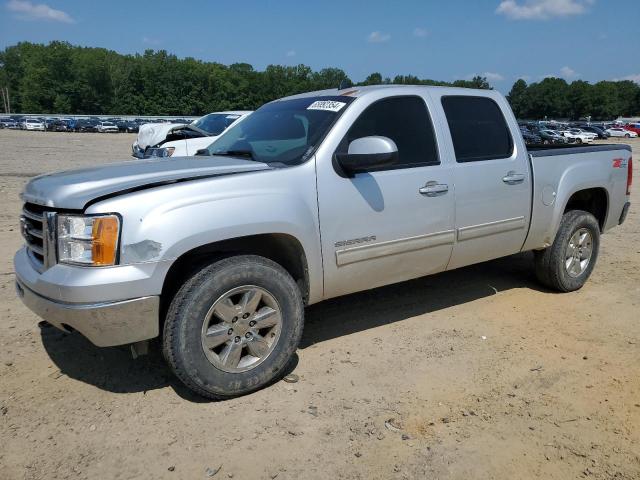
point(88, 240)
point(159, 152)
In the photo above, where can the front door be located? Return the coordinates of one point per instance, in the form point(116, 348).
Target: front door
point(391, 224)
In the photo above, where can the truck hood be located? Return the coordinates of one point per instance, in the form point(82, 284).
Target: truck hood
point(74, 189)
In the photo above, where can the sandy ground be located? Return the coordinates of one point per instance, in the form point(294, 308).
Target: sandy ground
point(476, 373)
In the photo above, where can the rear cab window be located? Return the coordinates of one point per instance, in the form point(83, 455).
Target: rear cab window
point(478, 128)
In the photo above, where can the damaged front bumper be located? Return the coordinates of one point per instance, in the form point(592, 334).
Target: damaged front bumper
point(109, 306)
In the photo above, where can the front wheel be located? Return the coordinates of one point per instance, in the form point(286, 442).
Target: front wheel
point(233, 327)
point(626, 135)
point(568, 262)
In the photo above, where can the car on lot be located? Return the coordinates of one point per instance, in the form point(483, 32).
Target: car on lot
point(168, 139)
point(552, 137)
point(621, 132)
point(578, 136)
point(311, 197)
point(529, 137)
point(106, 127)
point(600, 132)
point(85, 125)
point(61, 125)
point(33, 124)
point(633, 127)
point(7, 122)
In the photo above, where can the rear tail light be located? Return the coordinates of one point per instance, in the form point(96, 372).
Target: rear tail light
point(629, 176)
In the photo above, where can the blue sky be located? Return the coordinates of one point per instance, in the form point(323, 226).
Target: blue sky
point(443, 40)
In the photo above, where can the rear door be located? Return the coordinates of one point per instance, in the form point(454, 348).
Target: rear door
point(491, 176)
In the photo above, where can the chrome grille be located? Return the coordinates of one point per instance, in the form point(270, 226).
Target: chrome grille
point(33, 224)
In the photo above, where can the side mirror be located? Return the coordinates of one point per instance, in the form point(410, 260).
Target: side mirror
point(366, 153)
point(202, 152)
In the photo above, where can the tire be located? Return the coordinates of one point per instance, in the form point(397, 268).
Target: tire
point(552, 265)
point(578, 141)
point(186, 328)
point(626, 135)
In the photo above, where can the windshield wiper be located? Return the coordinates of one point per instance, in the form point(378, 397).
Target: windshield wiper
point(237, 153)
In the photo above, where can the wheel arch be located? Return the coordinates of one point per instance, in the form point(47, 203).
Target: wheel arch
point(284, 249)
point(594, 200)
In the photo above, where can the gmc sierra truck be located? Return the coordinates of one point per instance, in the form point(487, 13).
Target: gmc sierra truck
point(311, 197)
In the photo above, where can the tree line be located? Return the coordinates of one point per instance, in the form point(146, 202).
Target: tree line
point(63, 78)
point(556, 98)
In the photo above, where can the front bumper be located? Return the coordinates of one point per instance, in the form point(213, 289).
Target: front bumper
point(111, 306)
point(103, 324)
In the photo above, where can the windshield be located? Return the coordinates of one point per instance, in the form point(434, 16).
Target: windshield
point(215, 123)
point(285, 132)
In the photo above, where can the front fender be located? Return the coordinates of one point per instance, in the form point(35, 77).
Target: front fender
point(161, 224)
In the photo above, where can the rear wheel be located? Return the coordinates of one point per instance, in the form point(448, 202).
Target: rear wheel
point(578, 141)
point(233, 327)
point(568, 262)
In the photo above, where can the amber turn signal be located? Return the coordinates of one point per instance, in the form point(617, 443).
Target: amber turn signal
point(105, 240)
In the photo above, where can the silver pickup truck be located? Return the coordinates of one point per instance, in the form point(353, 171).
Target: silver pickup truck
point(311, 197)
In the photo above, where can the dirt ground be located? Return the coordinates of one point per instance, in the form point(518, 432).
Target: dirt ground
point(476, 373)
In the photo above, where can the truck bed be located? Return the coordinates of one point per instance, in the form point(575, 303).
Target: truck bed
point(551, 150)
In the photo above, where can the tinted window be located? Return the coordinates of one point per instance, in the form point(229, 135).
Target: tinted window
point(215, 123)
point(478, 128)
point(404, 120)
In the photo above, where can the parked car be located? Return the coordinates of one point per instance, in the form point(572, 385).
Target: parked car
point(633, 127)
point(33, 124)
point(621, 132)
point(167, 139)
point(551, 137)
point(578, 136)
point(600, 133)
point(61, 125)
point(107, 127)
point(86, 125)
point(132, 127)
point(10, 123)
point(310, 197)
point(529, 137)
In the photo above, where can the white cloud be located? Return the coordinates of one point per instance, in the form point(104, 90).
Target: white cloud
point(25, 10)
point(493, 77)
point(567, 72)
point(542, 9)
point(151, 41)
point(378, 37)
point(633, 78)
point(420, 32)
point(490, 76)
point(291, 53)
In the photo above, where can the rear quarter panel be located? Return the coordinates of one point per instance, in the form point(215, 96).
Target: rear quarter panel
point(558, 174)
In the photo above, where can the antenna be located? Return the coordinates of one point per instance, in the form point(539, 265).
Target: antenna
point(345, 83)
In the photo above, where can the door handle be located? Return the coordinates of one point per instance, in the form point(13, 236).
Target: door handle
point(433, 189)
point(513, 178)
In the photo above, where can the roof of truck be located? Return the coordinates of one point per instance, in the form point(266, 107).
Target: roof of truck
point(360, 91)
